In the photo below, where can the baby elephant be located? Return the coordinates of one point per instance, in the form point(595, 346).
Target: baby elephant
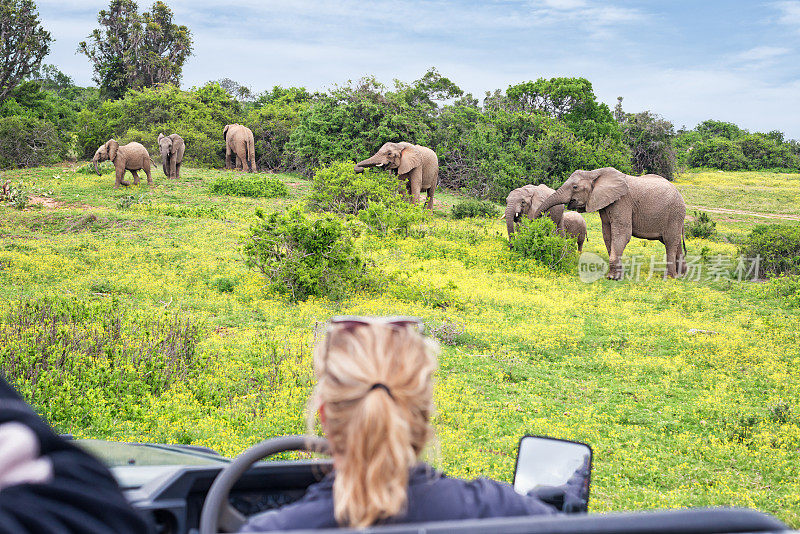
point(575, 226)
point(172, 148)
point(132, 157)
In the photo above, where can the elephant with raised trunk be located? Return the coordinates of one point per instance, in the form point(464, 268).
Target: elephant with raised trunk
point(132, 157)
point(647, 207)
point(172, 148)
point(239, 141)
point(415, 165)
point(526, 200)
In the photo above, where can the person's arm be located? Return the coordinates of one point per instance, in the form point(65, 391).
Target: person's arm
point(50, 486)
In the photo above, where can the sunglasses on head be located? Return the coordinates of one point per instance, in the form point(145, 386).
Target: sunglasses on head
point(352, 321)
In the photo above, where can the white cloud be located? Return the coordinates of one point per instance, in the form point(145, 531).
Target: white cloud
point(758, 57)
point(789, 12)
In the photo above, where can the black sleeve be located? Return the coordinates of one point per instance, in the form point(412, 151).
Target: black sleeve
point(81, 496)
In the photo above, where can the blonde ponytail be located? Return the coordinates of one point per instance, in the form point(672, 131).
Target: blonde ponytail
point(375, 382)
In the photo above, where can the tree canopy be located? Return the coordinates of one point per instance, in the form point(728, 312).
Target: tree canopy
point(23, 43)
point(132, 50)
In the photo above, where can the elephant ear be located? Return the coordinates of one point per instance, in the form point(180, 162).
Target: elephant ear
point(539, 194)
point(160, 136)
point(609, 186)
point(410, 159)
point(225, 131)
point(111, 148)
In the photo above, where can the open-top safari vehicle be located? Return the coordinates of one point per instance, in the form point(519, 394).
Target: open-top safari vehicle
point(184, 489)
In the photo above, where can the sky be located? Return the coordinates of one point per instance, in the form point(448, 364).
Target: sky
point(687, 60)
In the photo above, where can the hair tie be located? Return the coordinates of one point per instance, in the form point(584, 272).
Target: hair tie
point(379, 385)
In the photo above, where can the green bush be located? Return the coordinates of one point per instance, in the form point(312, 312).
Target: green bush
point(259, 186)
point(787, 288)
point(702, 226)
point(539, 239)
point(28, 142)
point(717, 153)
point(777, 246)
point(473, 207)
point(339, 189)
point(396, 216)
point(301, 257)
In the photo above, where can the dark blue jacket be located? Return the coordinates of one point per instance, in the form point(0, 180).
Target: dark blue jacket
point(432, 496)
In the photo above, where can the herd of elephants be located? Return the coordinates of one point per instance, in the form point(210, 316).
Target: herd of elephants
point(647, 207)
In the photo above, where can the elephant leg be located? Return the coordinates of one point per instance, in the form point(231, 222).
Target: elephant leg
point(135, 177)
point(429, 204)
point(675, 262)
point(120, 175)
point(415, 184)
point(173, 168)
point(177, 171)
point(580, 243)
point(606, 233)
point(227, 156)
point(620, 236)
point(147, 173)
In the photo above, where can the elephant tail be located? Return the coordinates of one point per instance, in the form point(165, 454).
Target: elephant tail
point(683, 241)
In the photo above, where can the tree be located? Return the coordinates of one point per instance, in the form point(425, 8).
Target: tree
point(649, 138)
point(135, 51)
point(23, 43)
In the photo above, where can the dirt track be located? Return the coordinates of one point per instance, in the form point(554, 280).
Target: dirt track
point(748, 213)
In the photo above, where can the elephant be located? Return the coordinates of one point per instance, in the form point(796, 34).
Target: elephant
point(647, 207)
point(525, 200)
point(239, 140)
point(417, 165)
point(574, 226)
point(132, 157)
point(172, 148)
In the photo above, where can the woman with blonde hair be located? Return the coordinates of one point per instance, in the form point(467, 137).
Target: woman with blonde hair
point(374, 397)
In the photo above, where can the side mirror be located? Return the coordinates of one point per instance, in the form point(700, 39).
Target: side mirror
point(555, 470)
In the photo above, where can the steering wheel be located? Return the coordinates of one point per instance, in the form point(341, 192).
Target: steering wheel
point(217, 511)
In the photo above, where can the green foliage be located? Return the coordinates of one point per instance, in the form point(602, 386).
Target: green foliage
point(352, 122)
point(649, 138)
point(473, 207)
point(301, 257)
point(15, 194)
point(702, 226)
point(787, 288)
point(539, 239)
point(27, 142)
point(73, 355)
point(223, 284)
point(256, 186)
point(777, 246)
point(273, 119)
point(23, 43)
point(339, 189)
point(396, 215)
point(132, 50)
point(723, 145)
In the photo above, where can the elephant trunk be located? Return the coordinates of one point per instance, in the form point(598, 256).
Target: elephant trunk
point(561, 196)
point(358, 170)
point(510, 215)
point(96, 166)
point(370, 162)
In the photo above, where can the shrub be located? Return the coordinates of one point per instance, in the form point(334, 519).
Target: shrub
point(649, 137)
point(339, 189)
point(259, 186)
point(787, 288)
point(301, 257)
point(396, 215)
point(777, 246)
point(16, 195)
point(539, 239)
point(28, 142)
point(474, 208)
point(718, 153)
point(702, 226)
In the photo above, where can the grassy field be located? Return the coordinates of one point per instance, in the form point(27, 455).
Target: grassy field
point(165, 336)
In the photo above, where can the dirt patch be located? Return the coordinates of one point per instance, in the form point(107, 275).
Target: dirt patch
point(784, 216)
point(45, 202)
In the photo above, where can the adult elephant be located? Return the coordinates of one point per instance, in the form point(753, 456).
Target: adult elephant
point(648, 207)
point(239, 141)
point(132, 157)
point(416, 165)
point(172, 148)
